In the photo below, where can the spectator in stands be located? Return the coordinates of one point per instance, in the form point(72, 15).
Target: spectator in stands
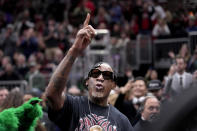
point(63, 44)
point(13, 99)
point(125, 77)
point(2, 20)
point(10, 73)
point(3, 94)
point(8, 40)
point(138, 8)
point(136, 92)
point(151, 74)
point(139, 89)
point(178, 79)
point(23, 21)
point(183, 52)
point(28, 43)
point(51, 39)
point(102, 16)
point(169, 16)
point(191, 24)
point(127, 9)
point(89, 4)
point(192, 64)
point(21, 65)
point(79, 13)
point(150, 109)
point(116, 30)
point(35, 78)
point(134, 27)
point(58, 56)
point(159, 11)
point(156, 88)
point(115, 12)
point(4, 61)
point(145, 20)
point(39, 23)
point(33, 58)
point(161, 29)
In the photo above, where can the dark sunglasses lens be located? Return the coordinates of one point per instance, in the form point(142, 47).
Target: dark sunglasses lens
point(95, 73)
point(107, 75)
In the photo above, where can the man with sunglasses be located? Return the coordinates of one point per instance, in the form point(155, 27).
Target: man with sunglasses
point(92, 113)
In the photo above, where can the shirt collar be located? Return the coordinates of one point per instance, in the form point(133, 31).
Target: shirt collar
point(183, 75)
point(142, 118)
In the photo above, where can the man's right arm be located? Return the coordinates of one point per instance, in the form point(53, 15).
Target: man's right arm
point(55, 93)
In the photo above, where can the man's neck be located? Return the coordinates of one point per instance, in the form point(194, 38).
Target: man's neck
point(98, 101)
point(181, 72)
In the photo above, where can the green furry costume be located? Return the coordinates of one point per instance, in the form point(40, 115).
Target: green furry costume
point(22, 118)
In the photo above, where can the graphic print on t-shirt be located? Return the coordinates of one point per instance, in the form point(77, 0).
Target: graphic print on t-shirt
point(90, 120)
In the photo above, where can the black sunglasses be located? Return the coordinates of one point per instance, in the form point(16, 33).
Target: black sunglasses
point(107, 75)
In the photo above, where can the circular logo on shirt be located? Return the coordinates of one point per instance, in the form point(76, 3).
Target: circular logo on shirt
point(96, 128)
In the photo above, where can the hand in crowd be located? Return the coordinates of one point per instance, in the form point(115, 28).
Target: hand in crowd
point(84, 35)
point(148, 73)
point(171, 54)
point(127, 87)
point(195, 75)
point(172, 70)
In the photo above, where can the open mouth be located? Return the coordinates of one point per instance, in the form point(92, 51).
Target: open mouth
point(99, 87)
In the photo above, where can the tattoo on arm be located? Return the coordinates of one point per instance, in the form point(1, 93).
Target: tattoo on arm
point(60, 76)
point(58, 82)
point(70, 61)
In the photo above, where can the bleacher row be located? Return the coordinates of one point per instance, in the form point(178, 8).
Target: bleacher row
point(143, 50)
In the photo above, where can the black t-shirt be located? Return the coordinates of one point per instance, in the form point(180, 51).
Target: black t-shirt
point(75, 116)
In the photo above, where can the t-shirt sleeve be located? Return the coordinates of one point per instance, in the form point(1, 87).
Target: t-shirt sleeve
point(63, 117)
point(121, 121)
point(126, 125)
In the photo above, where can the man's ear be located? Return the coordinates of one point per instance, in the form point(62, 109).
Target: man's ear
point(185, 65)
point(85, 83)
point(113, 85)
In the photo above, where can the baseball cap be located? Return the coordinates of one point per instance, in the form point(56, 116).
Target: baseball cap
point(154, 85)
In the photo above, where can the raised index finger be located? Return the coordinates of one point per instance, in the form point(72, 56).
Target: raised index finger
point(86, 22)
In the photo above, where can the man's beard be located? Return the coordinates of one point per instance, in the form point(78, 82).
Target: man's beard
point(153, 117)
point(98, 99)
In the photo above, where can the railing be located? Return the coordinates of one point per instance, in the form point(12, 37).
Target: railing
point(39, 80)
point(23, 85)
point(161, 47)
point(192, 40)
point(144, 44)
point(143, 50)
point(132, 55)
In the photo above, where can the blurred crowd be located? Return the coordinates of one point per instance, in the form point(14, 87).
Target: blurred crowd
point(36, 34)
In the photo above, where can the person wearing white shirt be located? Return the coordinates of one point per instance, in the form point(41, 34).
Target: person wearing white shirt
point(161, 29)
point(178, 79)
